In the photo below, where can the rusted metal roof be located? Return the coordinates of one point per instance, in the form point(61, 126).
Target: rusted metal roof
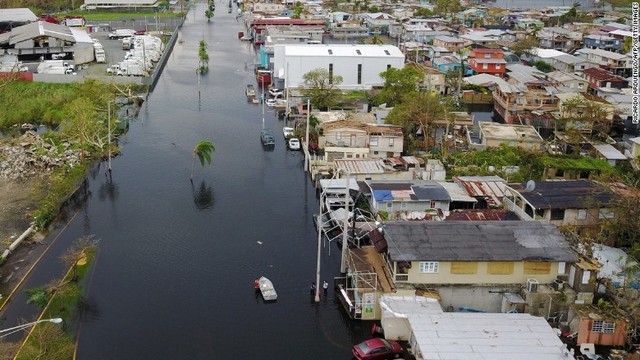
point(482, 214)
point(361, 166)
point(491, 188)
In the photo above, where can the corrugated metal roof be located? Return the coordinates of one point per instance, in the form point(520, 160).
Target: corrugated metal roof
point(491, 188)
point(476, 241)
point(361, 166)
point(17, 15)
point(35, 30)
point(609, 152)
point(457, 192)
point(573, 194)
point(482, 215)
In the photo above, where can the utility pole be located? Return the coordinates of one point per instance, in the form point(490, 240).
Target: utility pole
point(306, 137)
point(345, 230)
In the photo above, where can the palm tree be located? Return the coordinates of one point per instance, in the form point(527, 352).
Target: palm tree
point(202, 150)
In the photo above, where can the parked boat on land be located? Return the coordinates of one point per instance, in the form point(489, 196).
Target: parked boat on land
point(265, 286)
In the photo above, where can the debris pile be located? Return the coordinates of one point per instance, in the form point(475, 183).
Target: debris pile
point(30, 156)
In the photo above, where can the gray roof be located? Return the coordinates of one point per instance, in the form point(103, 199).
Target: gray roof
point(17, 15)
point(35, 30)
point(476, 241)
point(573, 194)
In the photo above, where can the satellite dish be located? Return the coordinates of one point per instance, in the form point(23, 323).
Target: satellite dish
point(531, 185)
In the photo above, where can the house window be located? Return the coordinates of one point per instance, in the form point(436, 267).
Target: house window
point(537, 268)
point(338, 136)
point(388, 66)
point(330, 73)
point(562, 267)
point(485, 66)
point(433, 204)
point(605, 214)
point(500, 268)
point(498, 66)
point(373, 141)
point(586, 276)
point(389, 205)
point(487, 56)
point(359, 73)
point(403, 205)
point(557, 214)
point(604, 327)
point(429, 267)
point(464, 267)
point(582, 214)
point(391, 142)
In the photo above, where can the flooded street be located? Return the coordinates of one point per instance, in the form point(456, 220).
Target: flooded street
point(174, 273)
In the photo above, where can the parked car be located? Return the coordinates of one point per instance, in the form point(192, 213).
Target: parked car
point(287, 131)
point(140, 32)
point(294, 144)
point(377, 349)
point(276, 92)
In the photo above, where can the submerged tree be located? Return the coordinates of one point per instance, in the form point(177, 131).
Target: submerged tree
point(202, 151)
point(203, 66)
point(78, 253)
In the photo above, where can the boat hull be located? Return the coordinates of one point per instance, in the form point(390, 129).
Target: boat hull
point(267, 290)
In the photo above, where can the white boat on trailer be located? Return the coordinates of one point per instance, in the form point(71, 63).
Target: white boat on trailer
point(266, 288)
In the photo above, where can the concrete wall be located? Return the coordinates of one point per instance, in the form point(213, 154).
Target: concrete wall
point(487, 299)
point(444, 275)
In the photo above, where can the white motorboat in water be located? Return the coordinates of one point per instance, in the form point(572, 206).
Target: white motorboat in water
point(266, 288)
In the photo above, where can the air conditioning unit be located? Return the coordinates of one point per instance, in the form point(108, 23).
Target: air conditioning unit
point(532, 285)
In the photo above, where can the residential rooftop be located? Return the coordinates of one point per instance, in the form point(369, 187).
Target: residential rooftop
point(476, 241)
point(573, 194)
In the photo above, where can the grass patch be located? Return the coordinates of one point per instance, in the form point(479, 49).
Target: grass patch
point(576, 163)
point(50, 341)
point(61, 185)
point(354, 95)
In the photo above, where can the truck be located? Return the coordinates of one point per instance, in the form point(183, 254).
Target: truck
point(121, 33)
point(74, 21)
point(55, 67)
point(127, 43)
point(127, 68)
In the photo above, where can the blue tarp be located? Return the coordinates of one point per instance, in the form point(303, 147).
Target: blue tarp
point(382, 195)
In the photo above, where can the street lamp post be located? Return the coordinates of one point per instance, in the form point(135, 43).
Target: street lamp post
point(11, 330)
point(109, 131)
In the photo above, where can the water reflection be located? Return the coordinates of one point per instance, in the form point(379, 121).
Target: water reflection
point(203, 196)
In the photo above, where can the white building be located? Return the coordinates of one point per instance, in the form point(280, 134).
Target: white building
point(103, 4)
point(359, 65)
point(435, 335)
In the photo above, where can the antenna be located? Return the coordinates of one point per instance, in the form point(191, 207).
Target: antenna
point(531, 185)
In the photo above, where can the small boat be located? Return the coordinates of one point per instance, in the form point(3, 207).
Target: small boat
point(250, 91)
point(266, 288)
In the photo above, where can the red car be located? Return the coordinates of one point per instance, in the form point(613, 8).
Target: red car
point(377, 349)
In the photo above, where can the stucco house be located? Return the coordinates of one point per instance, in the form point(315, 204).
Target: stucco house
point(399, 199)
point(521, 136)
point(463, 260)
point(352, 140)
point(580, 203)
